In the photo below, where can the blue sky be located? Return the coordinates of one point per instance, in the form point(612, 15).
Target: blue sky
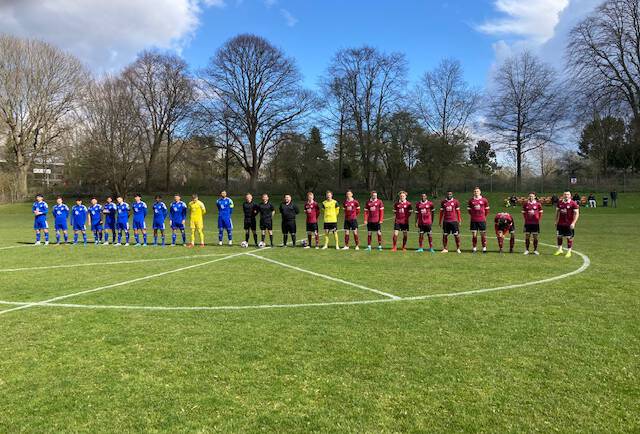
point(426, 31)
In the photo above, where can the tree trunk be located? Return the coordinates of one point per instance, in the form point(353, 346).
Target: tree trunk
point(22, 186)
point(518, 167)
point(253, 178)
point(167, 174)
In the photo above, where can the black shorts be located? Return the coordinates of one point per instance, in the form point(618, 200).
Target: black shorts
point(350, 225)
point(330, 226)
point(266, 225)
point(565, 231)
point(531, 228)
point(289, 227)
point(478, 226)
point(451, 228)
point(401, 227)
point(250, 224)
point(424, 229)
point(373, 227)
point(312, 227)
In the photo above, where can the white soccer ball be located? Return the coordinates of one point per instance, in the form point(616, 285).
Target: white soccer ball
point(261, 244)
point(244, 244)
point(304, 243)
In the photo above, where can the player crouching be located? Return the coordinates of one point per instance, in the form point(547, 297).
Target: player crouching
point(567, 214)
point(505, 226)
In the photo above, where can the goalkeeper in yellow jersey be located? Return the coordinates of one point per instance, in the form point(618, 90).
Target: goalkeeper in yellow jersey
point(196, 218)
point(331, 211)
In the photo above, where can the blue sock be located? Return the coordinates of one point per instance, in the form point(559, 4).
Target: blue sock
point(155, 239)
point(173, 238)
point(127, 234)
point(163, 239)
point(184, 237)
point(66, 237)
point(220, 233)
point(75, 238)
point(229, 234)
point(120, 237)
point(137, 237)
point(84, 237)
point(46, 236)
point(57, 237)
point(106, 236)
point(144, 238)
point(37, 236)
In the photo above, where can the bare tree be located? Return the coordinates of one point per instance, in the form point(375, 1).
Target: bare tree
point(165, 94)
point(114, 133)
point(257, 89)
point(40, 87)
point(526, 108)
point(371, 85)
point(337, 117)
point(604, 55)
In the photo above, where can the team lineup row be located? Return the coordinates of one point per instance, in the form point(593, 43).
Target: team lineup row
point(114, 217)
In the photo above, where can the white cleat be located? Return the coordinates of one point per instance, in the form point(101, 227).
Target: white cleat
point(484, 250)
point(535, 252)
point(306, 247)
point(317, 248)
point(474, 250)
point(219, 243)
point(231, 243)
point(458, 251)
point(337, 247)
point(137, 244)
point(444, 251)
point(357, 248)
point(324, 247)
point(526, 252)
point(126, 244)
point(117, 244)
point(345, 248)
point(46, 243)
point(37, 243)
point(106, 243)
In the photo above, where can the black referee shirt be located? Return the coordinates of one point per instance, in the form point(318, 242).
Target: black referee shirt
point(250, 210)
point(289, 211)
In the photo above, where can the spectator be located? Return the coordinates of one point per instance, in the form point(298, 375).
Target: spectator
point(554, 199)
point(614, 199)
point(576, 198)
point(513, 200)
point(592, 200)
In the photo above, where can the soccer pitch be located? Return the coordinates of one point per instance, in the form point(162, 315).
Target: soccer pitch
point(105, 338)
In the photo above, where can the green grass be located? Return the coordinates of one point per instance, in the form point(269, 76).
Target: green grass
point(558, 356)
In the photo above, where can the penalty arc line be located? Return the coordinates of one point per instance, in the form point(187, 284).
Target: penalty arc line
point(115, 285)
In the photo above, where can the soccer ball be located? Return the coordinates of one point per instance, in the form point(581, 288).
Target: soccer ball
point(304, 243)
point(261, 244)
point(244, 244)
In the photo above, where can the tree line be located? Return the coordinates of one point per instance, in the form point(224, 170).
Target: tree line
point(246, 118)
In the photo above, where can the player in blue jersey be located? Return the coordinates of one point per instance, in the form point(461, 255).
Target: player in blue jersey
point(110, 211)
point(160, 212)
point(139, 225)
point(177, 218)
point(79, 214)
point(122, 222)
point(225, 209)
point(60, 218)
point(95, 214)
point(40, 225)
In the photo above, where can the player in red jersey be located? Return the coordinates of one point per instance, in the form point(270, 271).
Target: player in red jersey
point(478, 208)
point(351, 212)
point(567, 214)
point(312, 212)
point(424, 219)
point(373, 218)
point(532, 213)
point(450, 219)
point(505, 225)
point(402, 210)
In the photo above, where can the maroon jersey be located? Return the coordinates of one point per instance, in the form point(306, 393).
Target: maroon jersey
point(374, 209)
point(425, 212)
point(351, 209)
point(312, 211)
point(402, 211)
point(450, 208)
point(567, 212)
point(532, 212)
point(503, 221)
point(478, 209)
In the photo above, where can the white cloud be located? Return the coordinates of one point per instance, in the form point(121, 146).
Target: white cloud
point(105, 34)
point(288, 17)
point(270, 3)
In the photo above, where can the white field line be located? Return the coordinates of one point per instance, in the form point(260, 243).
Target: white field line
point(15, 247)
point(91, 264)
point(324, 276)
point(126, 282)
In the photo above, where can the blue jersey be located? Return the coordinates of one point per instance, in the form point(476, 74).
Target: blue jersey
point(60, 213)
point(159, 212)
point(139, 211)
point(178, 212)
point(110, 210)
point(79, 215)
point(225, 208)
point(42, 208)
point(123, 212)
point(95, 211)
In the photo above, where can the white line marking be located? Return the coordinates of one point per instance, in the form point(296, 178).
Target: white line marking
point(15, 247)
point(126, 282)
point(324, 276)
point(586, 262)
point(132, 261)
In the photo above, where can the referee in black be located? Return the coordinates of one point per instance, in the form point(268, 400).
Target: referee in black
point(250, 210)
point(289, 211)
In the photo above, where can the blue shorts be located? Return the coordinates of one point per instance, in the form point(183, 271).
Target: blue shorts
point(109, 224)
point(122, 226)
point(96, 227)
point(40, 223)
point(158, 225)
point(224, 223)
point(79, 227)
point(176, 225)
point(139, 224)
point(60, 226)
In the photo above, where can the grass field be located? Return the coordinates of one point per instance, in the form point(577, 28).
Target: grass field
point(105, 339)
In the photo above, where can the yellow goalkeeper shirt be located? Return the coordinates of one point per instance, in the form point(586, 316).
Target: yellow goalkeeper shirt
point(331, 211)
point(197, 210)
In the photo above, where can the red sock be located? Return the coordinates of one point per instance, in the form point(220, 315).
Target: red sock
point(500, 242)
point(404, 240)
point(457, 241)
point(430, 241)
point(535, 244)
point(559, 241)
point(421, 240)
point(445, 241)
point(526, 243)
point(484, 239)
point(346, 238)
point(474, 240)
point(570, 243)
point(356, 239)
point(379, 239)
point(395, 240)
point(512, 242)
point(369, 238)
point(317, 239)
point(309, 238)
